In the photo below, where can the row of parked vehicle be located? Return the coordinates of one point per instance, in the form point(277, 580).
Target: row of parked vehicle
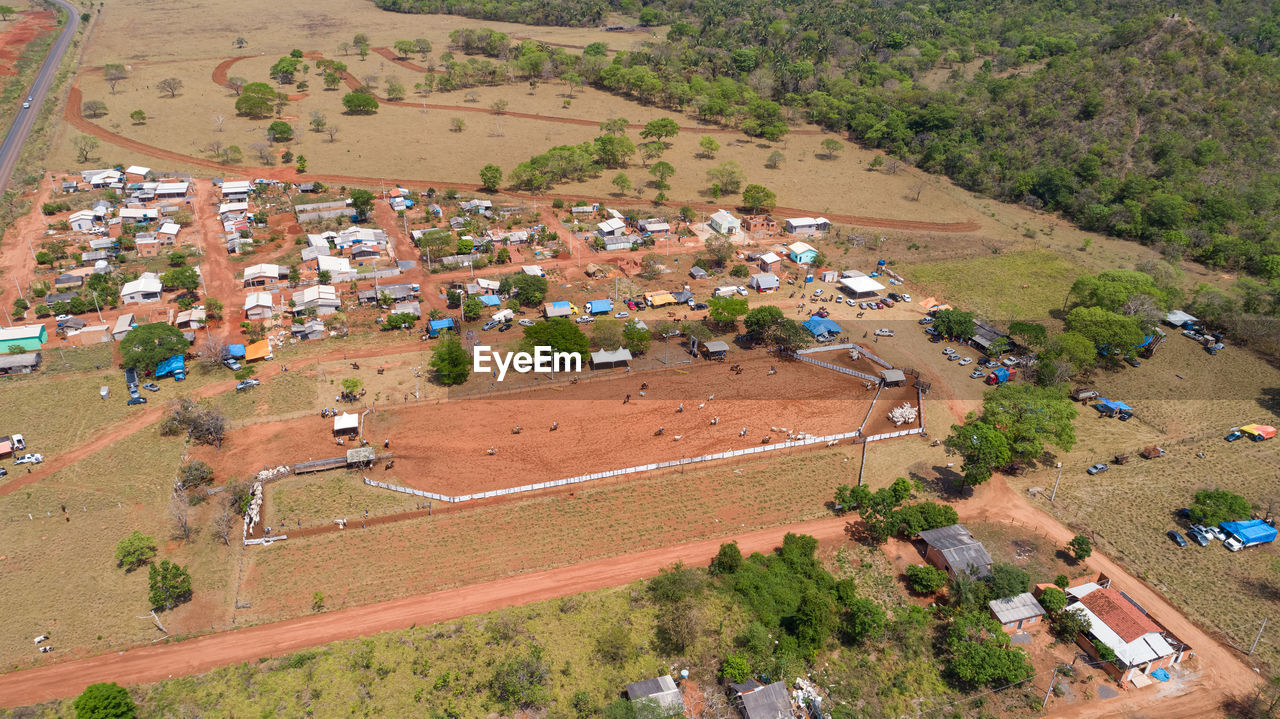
point(1202, 535)
point(131, 382)
point(16, 444)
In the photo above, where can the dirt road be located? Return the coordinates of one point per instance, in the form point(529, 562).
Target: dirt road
point(157, 662)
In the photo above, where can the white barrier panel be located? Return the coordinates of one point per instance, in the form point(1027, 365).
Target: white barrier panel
point(873, 358)
point(826, 348)
point(265, 541)
point(842, 370)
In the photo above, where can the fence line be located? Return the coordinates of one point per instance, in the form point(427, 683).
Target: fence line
point(891, 435)
point(826, 348)
point(837, 368)
point(867, 353)
point(265, 541)
point(829, 440)
point(870, 409)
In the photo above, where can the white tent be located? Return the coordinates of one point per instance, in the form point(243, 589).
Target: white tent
point(346, 422)
point(861, 285)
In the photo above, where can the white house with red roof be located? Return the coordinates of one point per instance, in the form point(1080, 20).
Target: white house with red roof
point(1141, 644)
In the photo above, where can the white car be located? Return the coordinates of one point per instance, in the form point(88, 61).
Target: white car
point(26, 106)
point(948, 351)
point(882, 332)
point(965, 361)
point(817, 292)
point(584, 319)
point(1233, 544)
point(29, 459)
point(839, 300)
point(977, 374)
point(906, 298)
point(42, 638)
point(742, 291)
point(622, 315)
point(62, 318)
point(525, 322)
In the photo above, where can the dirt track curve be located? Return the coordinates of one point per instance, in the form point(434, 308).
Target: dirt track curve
point(72, 117)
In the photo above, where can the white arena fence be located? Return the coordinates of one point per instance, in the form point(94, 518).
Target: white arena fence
point(866, 353)
point(828, 440)
point(891, 435)
point(837, 368)
point(826, 348)
point(265, 541)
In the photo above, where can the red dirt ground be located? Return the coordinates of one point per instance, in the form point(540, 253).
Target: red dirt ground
point(18, 32)
point(596, 432)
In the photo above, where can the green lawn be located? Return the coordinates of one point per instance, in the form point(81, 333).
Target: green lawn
point(1016, 284)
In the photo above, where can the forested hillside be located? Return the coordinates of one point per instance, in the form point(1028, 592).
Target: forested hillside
point(1129, 120)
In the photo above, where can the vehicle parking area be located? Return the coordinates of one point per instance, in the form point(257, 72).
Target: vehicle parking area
point(443, 447)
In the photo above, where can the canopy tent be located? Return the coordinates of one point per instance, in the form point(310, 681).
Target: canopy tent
point(490, 300)
point(444, 324)
point(609, 357)
point(1253, 531)
point(258, 351)
point(1264, 431)
point(860, 286)
point(1112, 405)
point(346, 423)
point(820, 326)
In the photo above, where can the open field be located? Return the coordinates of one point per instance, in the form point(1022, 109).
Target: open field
point(1026, 284)
point(799, 397)
point(60, 575)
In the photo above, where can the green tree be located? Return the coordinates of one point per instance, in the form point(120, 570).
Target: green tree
point(863, 619)
point(1113, 289)
point(662, 170)
point(360, 103)
point(635, 338)
point(1008, 581)
point(491, 177)
point(615, 125)
point(113, 73)
point(726, 310)
point(720, 249)
point(471, 309)
point(528, 289)
point(105, 701)
point(170, 585)
point(728, 560)
point(521, 682)
point(955, 324)
point(362, 202)
point(139, 117)
point(255, 107)
point(613, 150)
point(735, 669)
point(405, 48)
point(980, 653)
point(1031, 416)
point(815, 619)
point(660, 129)
point(740, 271)
point(925, 579)
point(1032, 334)
point(195, 474)
point(916, 518)
point(776, 158)
point(1107, 330)
point(135, 550)
point(1080, 547)
point(621, 182)
point(1053, 600)
point(280, 131)
point(184, 278)
point(450, 361)
point(708, 147)
point(761, 320)
point(145, 346)
point(1214, 506)
point(1069, 623)
point(830, 146)
point(983, 447)
point(558, 333)
point(728, 176)
point(758, 198)
point(94, 108)
point(1074, 348)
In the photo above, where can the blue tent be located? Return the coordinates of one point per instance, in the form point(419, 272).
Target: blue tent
point(444, 324)
point(490, 300)
point(236, 351)
point(1253, 531)
point(599, 307)
point(820, 326)
point(175, 365)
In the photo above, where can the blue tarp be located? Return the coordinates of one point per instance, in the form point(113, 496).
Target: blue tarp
point(443, 324)
point(1113, 404)
point(822, 326)
point(490, 300)
point(235, 351)
point(1253, 531)
point(560, 305)
point(599, 307)
point(1160, 675)
point(175, 365)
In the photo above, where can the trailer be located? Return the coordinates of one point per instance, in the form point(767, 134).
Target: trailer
point(1000, 375)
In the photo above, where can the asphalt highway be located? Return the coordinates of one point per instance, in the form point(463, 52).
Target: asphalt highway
point(20, 130)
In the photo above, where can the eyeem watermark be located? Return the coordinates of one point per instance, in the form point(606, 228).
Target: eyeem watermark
point(543, 359)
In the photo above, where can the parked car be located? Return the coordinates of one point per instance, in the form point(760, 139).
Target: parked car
point(505, 327)
point(1216, 533)
point(948, 351)
point(906, 297)
point(3, 471)
point(989, 364)
point(41, 638)
point(862, 305)
point(1098, 468)
point(701, 306)
point(887, 302)
point(977, 374)
point(1198, 538)
point(1009, 361)
point(965, 361)
point(1132, 361)
point(1176, 537)
point(246, 384)
point(151, 387)
point(953, 356)
point(883, 332)
point(742, 291)
point(490, 325)
point(62, 318)
point(932, 332)
point(29, 459)
point(131, 377)
point(1233, 435)
point(585, 319)
point(1084, 394)
point(1185, 513)
point(818, 292)
point(525, 322)
point(925, 321)
point(231, 364)
point(893, 296)
point(1233, 544)
point(136, 400)
point(47, 648)
point(622, 315)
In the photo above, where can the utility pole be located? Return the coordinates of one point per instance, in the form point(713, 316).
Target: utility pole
point(15, 284)
point(1052, 679)
point(1055, 483)
point(1258, 637)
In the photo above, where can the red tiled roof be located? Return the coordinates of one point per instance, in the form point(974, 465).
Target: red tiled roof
point(1119, 614)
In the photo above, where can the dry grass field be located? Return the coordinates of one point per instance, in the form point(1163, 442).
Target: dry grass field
point(60, 577)
point(999, 286)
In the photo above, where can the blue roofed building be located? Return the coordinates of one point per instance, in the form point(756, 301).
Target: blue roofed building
point(822, 327)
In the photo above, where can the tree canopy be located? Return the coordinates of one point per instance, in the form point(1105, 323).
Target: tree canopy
point(558, 333)
point(145, 346)
point(105, 700)
point(451, 362)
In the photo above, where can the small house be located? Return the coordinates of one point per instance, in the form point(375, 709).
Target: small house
point(724, 223)
point(560, 308)
point(136, 173)
point(954, 550)
point(258, 351)
point(172, 190)
point(760, 224)
point(411, 307)
point(802, 253)
point(654, 225)
point(1141, 645)
point(763, 701)
point(68, 281)
point(258, 275)
point(29, 337)
point(612, 227)
point(322, 299)
point(312, 329)
point(81, 221)
point(21, 363)
point(715, 350)
point(144, 289)
point(769, 262)
point(139, 215)
point(146, 244)
point(168, 232)
point(333, 265)
point(595, 271)
point(662, 692)
point(893, 377)
point(1014, 613)
point(697, 273)
point(258, 306)
point(620, 242)
point(764, 282)
point(192, 319)
point(124, 323)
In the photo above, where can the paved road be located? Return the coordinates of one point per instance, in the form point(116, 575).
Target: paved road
point(26, 119)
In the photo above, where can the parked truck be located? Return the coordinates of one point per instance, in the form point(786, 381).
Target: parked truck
point(503, 316)
point(1000, 375)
